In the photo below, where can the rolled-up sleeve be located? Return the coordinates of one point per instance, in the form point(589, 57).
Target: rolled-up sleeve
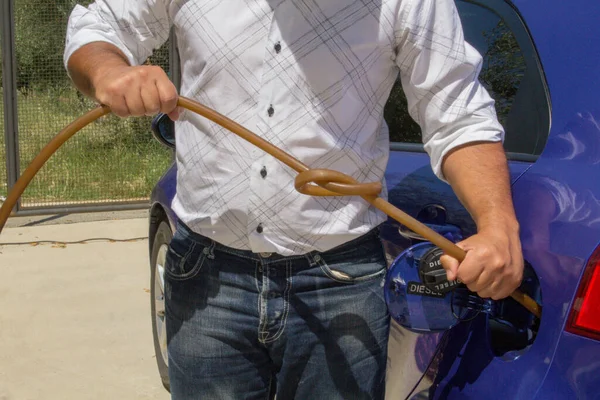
point(439, 72)
point(136, 27)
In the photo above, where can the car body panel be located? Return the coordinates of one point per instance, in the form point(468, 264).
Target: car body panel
point(570, 163)
point(566, 39)
point(575, 370)
point(163, 194)
point(565, 177)
point(559, 213)
point(411, 187)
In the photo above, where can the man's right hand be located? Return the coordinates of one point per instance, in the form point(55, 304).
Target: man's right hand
point(101, 71)
point(136, 91)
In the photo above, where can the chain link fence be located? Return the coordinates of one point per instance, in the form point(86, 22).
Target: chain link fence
point(111, 161)
point(3, 174)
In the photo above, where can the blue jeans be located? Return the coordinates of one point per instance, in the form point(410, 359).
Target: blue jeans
point(242, 325)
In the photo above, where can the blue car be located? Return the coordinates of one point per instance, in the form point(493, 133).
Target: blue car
point(542, 66)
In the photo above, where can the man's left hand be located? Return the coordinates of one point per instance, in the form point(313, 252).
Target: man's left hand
point(493, 266)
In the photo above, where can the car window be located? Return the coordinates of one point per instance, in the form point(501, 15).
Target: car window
point(510, 73)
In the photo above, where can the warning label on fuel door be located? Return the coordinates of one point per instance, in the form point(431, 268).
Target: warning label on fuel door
point(421, 290)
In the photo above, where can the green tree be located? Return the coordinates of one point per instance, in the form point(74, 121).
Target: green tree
point(40, 29)
point(503, 68)
point(401, 125)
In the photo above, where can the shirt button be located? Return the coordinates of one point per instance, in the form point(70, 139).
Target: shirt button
point(259, 228)
point(263, 172)
point(277, 47)
point(271, 111)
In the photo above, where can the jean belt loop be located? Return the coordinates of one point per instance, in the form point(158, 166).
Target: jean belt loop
point(211, 250)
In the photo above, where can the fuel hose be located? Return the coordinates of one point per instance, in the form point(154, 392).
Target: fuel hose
point(313, 182)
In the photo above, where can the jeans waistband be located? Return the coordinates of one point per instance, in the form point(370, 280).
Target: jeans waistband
point(371, 235)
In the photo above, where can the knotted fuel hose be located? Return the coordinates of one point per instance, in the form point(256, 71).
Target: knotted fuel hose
point(314, 182)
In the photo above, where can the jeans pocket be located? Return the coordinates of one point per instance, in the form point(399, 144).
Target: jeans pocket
point(185, 258)
point(362, 266)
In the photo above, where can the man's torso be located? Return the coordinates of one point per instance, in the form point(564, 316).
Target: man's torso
point(311, 78)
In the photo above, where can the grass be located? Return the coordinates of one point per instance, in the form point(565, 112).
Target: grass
point(113, 159)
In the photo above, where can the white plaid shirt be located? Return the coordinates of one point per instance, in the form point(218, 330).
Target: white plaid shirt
point(312, 77)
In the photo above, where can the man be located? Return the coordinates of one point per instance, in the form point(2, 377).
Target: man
point(269, 291)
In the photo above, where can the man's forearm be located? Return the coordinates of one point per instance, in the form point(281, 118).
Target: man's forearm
point(91, 61)
point(480, 178)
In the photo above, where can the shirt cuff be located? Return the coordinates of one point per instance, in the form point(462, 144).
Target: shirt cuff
point(439, 147)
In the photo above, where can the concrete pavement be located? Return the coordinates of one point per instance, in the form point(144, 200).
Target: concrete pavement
point(75, 319)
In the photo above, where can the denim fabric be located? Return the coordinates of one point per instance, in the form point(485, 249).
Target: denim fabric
point(244, 326)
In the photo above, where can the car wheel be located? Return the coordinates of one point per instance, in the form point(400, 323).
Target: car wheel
point(162, 239)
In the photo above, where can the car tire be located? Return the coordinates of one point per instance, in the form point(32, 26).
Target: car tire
point(162, 238)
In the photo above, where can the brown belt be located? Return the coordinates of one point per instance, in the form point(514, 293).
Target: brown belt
point(314, 182)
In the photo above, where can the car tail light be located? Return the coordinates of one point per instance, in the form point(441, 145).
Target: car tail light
point(585, 315)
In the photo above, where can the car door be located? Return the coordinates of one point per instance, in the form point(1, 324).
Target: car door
point(511, 72)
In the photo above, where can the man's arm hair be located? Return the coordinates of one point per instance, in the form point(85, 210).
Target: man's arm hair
point(92, 61)
point(478, 174)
